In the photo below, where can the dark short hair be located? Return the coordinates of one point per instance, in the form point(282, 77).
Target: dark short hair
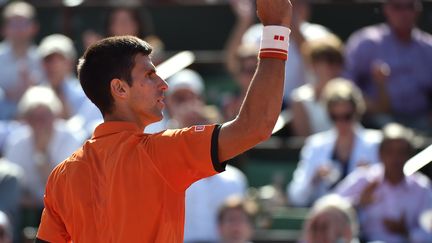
point(106, 60)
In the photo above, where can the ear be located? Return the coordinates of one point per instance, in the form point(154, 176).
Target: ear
point(119, 89)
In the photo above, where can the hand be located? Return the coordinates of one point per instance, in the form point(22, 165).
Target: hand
point(275, 12)
point(367, 196)
point(322, 172)
point(380, 72)
point(396, 226)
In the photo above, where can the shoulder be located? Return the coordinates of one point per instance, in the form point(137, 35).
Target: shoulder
point(422, 37)
point(370, 136)
point(420, 181)
point(369, 35)
point(321, 138)
point(21, 135)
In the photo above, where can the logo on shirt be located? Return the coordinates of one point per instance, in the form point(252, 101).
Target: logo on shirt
point(199, 128)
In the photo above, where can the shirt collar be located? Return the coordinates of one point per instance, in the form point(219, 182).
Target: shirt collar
point(112, 127)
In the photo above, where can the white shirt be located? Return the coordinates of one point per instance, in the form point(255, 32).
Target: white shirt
point(19, 149)
point(203, 200)
point(318, 151)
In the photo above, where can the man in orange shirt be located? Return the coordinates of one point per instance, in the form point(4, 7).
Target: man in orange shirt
point(126, 186)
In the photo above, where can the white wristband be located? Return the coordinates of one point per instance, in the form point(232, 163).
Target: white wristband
point(275, 42)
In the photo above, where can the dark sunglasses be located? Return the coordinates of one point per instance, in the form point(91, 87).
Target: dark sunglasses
point(342, 117)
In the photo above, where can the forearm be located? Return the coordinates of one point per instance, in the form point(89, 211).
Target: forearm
point(259, 111)
point(263, 100)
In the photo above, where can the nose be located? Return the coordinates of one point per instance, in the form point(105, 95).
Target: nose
point(163, 84)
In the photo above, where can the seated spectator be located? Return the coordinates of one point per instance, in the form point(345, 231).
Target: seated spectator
point(235, 221)
point(390, 63)
point(205, 197)
point(11, 179)
point(327, 157)
point(325, 56)
point(58, 57)
point(389, 203)
point(19, 61)
point(41, 145)
point(5, 229)
point(332, 219)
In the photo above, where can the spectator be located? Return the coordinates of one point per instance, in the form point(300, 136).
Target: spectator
point(331, 219)
point(203, 200)
point(235, 221)
point(389, 203)
point(325, 56)
point(11, 179)
point(19, 61)
point(5, 229)
point(327, 157)
point(40, 146)
point(129, 20)
point(58, 57)
point(390, 63)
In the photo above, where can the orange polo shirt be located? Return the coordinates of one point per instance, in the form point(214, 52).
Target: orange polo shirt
point(126, 186)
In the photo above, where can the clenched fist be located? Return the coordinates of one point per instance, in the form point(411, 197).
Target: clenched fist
point(274, 12)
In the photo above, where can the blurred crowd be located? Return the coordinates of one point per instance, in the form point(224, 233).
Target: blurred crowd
point(359, 105)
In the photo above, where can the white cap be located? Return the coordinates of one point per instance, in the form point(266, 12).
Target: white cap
point(186, 79)
point(20, 9)
point(39, 96)
point(57, 43)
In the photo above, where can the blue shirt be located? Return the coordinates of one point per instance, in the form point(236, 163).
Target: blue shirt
point(410, 83)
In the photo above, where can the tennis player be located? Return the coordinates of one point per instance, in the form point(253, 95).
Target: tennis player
point(126, 186)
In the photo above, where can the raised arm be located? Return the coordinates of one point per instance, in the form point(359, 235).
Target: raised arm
point(263, 100)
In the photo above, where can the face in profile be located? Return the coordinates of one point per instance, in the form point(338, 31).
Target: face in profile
point(146, 98)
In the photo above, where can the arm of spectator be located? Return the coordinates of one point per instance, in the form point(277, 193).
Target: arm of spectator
point(355, 188)
point(301, 189)
point(263, 101)
point(244, 12)
point(417, 233)
point(300, 120)
point(380, 74)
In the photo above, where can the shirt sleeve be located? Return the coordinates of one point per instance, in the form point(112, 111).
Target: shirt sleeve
point(52, 228)
point(184, 156)
point(301, 190)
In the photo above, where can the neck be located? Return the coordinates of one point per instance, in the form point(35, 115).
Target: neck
point(393, 180)
point(19, 48)
point(403, 35)
point(126, 117)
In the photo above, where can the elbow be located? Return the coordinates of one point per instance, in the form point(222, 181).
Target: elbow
point(264, 131)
